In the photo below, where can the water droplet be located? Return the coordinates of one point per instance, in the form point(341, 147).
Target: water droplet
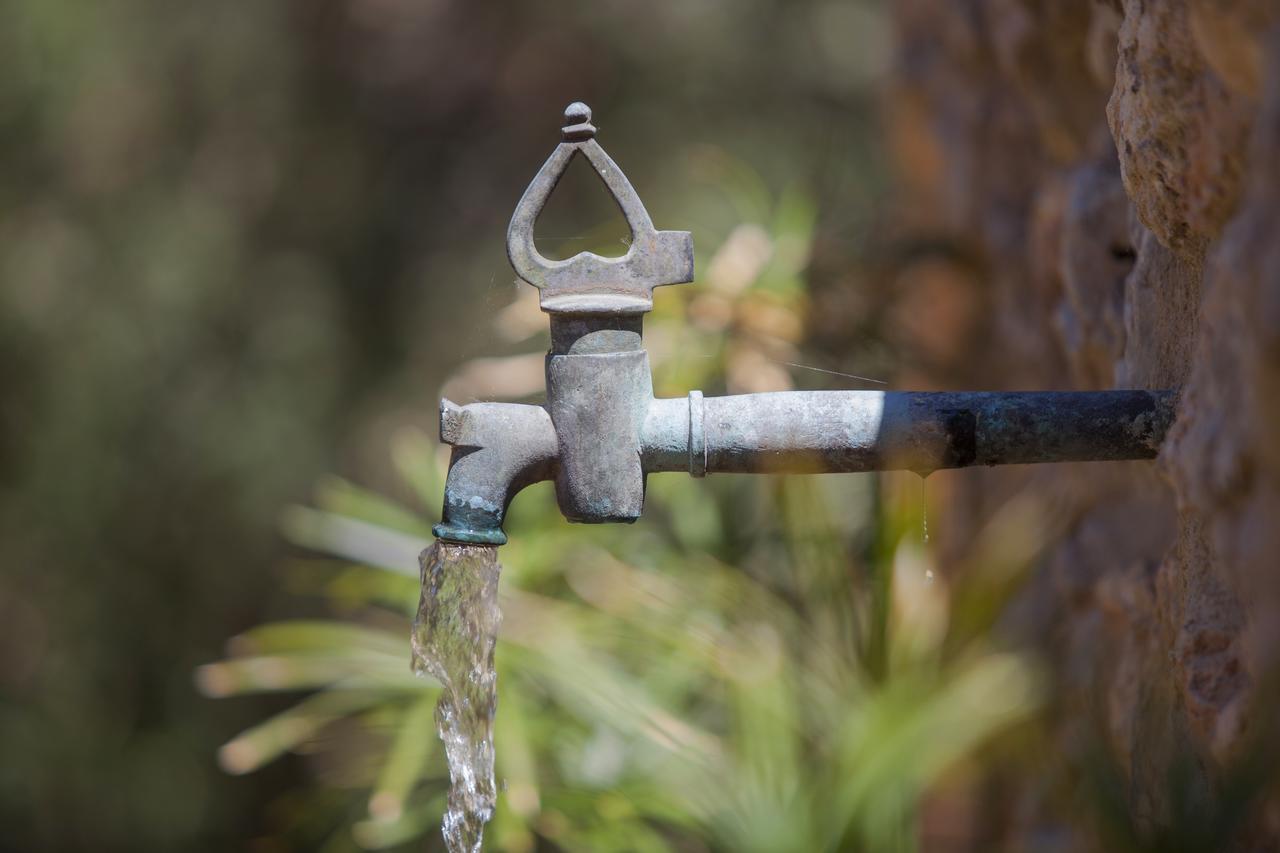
point(924, 508)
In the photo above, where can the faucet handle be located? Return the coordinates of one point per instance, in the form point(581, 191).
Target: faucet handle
point(588, 283)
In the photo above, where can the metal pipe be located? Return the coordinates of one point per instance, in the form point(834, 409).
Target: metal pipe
point(851, 431)
point(501, 448)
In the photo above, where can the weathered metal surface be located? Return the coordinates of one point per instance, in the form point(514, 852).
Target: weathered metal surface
point(498, 449)
point(588, 283)
point(598, 414)
point(602, 431)
point(697, 435)
point(598, 392)
point(592, 334)
point(850, 431)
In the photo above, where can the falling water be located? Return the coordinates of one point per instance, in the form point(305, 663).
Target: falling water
point(924, 516)
point(453, 639)
point(924, 511)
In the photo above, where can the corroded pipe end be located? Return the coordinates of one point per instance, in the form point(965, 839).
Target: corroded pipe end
point(470, 535)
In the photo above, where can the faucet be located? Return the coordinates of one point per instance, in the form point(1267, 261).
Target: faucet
point(601, 430)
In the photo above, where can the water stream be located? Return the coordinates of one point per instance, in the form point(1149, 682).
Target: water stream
point(924, 517)
point(453, 640)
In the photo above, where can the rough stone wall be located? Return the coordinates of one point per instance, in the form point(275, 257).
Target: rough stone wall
point(1100, 183)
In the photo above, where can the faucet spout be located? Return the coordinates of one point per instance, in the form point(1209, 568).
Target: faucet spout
point(498, 449)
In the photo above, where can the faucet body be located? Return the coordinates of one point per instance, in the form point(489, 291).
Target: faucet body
point(601, 431)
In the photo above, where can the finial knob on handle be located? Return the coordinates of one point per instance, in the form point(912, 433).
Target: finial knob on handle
point(588, 283)
point(577, 123)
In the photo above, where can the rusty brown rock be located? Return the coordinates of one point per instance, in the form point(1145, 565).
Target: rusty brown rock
point(1101, 44)
point(1146, 256)
point(1222, 455)
point(1178, 129)
point(1231, 35)
point(1162, 308)
point(1095, 257)
point(1041, 48)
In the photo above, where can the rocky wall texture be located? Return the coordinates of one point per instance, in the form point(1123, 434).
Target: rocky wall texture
point(1099, 183)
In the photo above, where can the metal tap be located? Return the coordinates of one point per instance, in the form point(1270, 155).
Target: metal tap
point(601, 431)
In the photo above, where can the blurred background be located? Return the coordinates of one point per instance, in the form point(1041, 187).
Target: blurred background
point(242, 246)
point(245, 247)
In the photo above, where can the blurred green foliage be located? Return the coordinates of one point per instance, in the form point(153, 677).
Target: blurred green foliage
point(760, 664)
point(242, 243)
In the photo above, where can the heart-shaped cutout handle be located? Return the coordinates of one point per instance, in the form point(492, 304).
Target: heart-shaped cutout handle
point(588, 283)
